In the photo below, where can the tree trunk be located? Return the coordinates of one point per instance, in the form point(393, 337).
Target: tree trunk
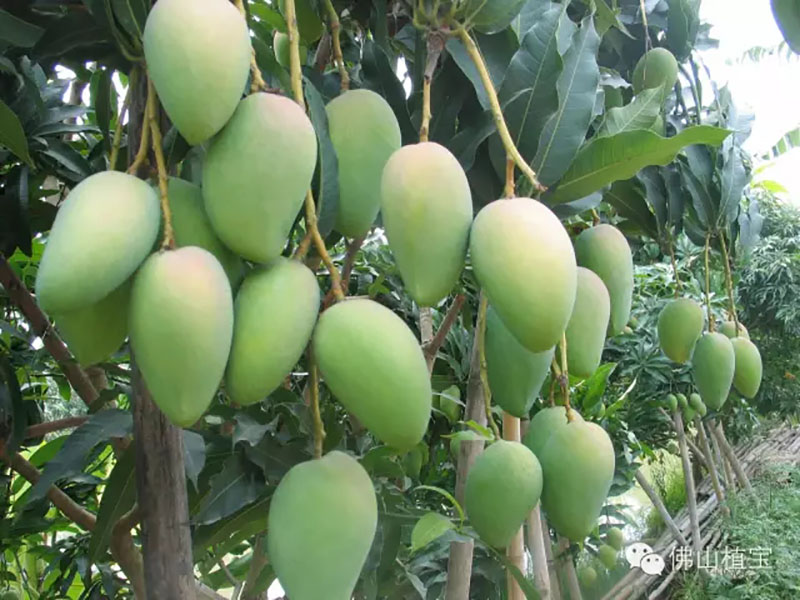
point(516, 549)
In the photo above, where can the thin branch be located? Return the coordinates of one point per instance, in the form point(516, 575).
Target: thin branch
point(319, 427)
point(257, 563)
point(257, 82)
point(564, 377)
point(729, 282)
point(41, 429)
point(487, 392)
point(112, 159)
point(335, 27)
point(431, 349)
point(151, 114)
point(347, 270)
point(510, 168)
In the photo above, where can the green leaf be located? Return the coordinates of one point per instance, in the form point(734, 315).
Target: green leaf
point(683, 24)
point(608, 18)
point(132, 15)
point(641, 113)
point(231, 489)
point(629, 200)
point(565, 130)
point(248, 521)
point(605, 160)
point(379, 76)
point(68, 157)
point(17, 32)
point(430, 527)
point(61, 128)
point(656, 195)
point(175, 147)
point(12, 136)
point(702, 202)
point(327, 180)
point(525, 585)
point(269, 15)
point(445, 494)
point(733, 179)
point(787, 15)
point(118, 498)
point(101, 88)
point(194, 455)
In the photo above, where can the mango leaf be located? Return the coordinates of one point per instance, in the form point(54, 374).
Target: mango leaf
point(629, 199)
point(683, 23)
point(231, 489)
point(608, 18)
point(327, 180)
point(132, 15)
point(528, 93)
point(787, 15)
point(641, 113)
point(429, 528)
point(605, 160)
point(251, 519)
point(118, 498)
point(565, 130)
point(101, 86)
point(750, 224)
point(379, 76)
point(17, 32)
point(194, 455)
point(703, 205)
point(733, 179)
point(673, 185)
point(12, 136)
point(270, 15)
point(656, 195)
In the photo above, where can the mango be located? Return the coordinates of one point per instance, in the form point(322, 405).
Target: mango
point(604, 250)
point(586, 331)
point(672, 402)
point(181, 325)
point(657, 68)
point(615, 538)
point(274, 314)
point(608, 556)
point(322, 520)
point(256, 174)
point(280, 46)
point(91, 250)
point(362, 157)
point(713, 366)
point(449, 402)
point(309, 24)
point(198, 57)
point(688, 415)
point(191, 227)
point(94, 333)
point(502, 488)
point(747, 375)
point(697, 405)
point(426, 206)
point(544, 424)
point(515, 374)
point(680, 325)
point(373, 364)
point(578, 468)
point(728, 328)
point(682, 401)
point(523, 258)
point(492, 16)
point(587, 576)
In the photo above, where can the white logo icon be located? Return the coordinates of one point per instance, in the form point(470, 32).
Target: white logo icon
point(636, 552)
point(652, 564)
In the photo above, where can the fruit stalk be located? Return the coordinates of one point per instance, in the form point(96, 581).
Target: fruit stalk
point(335, 27)
point(509, 189)
point(151, 115)
point(497, 112)
point(431, 349)
point(112, 157)
point(678, 284)
point(144, 145)
point(708, 284)
point(729, 282)
point(487, 392)
point(319, 427)
point(257, 82)
point(564, 377)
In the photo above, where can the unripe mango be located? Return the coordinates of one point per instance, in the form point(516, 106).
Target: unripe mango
point(713, 366)
point(587, 576)
point(280, 46)
point(747, 376)
point(544, 424)
point(523, 258)
point(682, 401)
point(322, 520)
point(309, 24)
point(672, 402)
point(94, 333)
point(578, 468)
point(680, 325)
point(373, 364)
point(274, 314)
point(608, 556)
point(181, 324)
point(191, 227)
point(697, 405)
point(427, 213)
point(586, 331)
point(256, 175)
point(103, 231)
point(198, 57)
point(657, 68)
point(688, 415)
point(515, 373)
point(615, 538)
point(365, 133)
point(448, 401)
point(502, 488)
point(604, 250)
point(492, 16)
point(728, 328)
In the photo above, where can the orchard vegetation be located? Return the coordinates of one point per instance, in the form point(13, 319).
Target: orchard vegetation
point(389, 299)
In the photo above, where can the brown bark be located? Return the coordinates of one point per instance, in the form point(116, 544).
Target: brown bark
point(434, 343)
point(41, 429)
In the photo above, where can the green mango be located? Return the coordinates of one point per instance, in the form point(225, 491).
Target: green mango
point(191, 227)
point(608, 556)
point(672, 402)
point(748, 372)
point(322, 520)
point(198, 58)
point(256, 175)
point(713, 366)
point(502, 488)
point(697, 405)
point(365, 134)
point(587, 576)
point(491, 16)
point(657, 68)
point(309, 24)
point(280, 46)
point(373, 363)
point(426, 205)
point(274, 314)
point(544, 424)
point(615, 538)
point(604, 250)
point(523, 258)
point(181, 325)
point(578, 467)
point(680, 325)
point(102, 232)
point(413, 461)
point(688, 415)
point(94, 333)
point(586, 332)
point(448, 402)
point(515, 373)
point(683, 403)
point(728, 328)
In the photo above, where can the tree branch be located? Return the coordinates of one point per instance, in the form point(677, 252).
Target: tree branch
point(431, 349)
point(41, 429)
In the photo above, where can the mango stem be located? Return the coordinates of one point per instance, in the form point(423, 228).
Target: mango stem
point(487, 392)
point(151, 112)
point(565, 377)
point(319, 427)
point(257, 82)
point(335, 27)
point(729, 282)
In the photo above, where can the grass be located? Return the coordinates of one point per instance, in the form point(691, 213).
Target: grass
point(667, 479)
